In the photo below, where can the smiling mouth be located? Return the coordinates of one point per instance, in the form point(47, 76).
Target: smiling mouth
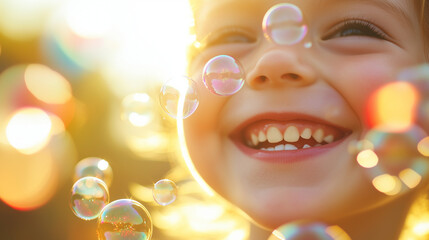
point(271, 135)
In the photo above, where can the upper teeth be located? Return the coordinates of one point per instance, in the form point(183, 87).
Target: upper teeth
point(291, 135)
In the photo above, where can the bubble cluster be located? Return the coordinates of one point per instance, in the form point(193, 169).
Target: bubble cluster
point(137, 109)
point(171, 93)
point(223, 75)
point(307, 231)
point(94, 167)
point(164, 192)
point(392, 161)
point(283, 24)
point(89, 195)
point(124, 219)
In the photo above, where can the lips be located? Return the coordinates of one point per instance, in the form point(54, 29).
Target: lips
point(286, 137)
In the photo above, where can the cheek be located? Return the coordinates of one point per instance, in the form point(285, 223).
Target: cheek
point(357, 81)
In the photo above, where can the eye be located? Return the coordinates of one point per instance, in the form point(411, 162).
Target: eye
point(356, 27)
point(231, 35)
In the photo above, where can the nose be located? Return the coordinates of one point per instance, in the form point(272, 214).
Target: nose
point(280, 67)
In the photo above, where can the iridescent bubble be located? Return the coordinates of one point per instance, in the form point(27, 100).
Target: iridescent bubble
point(124, 219)
point(283, 24)
point(223, 75)
point(137, 109)
point(394, 165)
point(170, 95)
point(94, 167)
point(164, 192)
point(308, 231)
point(419, 77)
point(89, 195)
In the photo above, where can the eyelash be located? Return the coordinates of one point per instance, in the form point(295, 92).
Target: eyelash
point(364, 27)
point(221, 37)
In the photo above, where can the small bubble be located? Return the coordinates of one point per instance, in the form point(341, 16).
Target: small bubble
point(124, 219)
point(223, 75)
point(138, 109)
point(94, 167)
point(164, 192)
point(88, 197)
point(305, 231)
point(283, 24)
point(170, 96)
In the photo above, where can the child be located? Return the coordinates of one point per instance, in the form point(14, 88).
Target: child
point(356, 47)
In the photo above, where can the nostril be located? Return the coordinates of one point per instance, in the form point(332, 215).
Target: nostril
point(261, 79)
point(290, 76)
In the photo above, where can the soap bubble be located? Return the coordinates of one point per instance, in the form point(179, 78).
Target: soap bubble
point(308, 231)
point(94, 167)
point(223, 75)
point(170, 93)
point(88, 197)
point(125, 219)
point(283, 24)
point(394, 163)
point(137, 109)
point(164, 192)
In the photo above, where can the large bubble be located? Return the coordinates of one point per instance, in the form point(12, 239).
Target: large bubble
point(392, 160)
point(125, 219)
point(308, 231)
point(171, 93)
point(223, 75)
point(88, 197)
point(94, 167)
point(283, 24)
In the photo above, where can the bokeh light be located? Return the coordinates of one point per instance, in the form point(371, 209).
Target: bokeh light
point(164, 192)
point(394, 105)
point(308, 231)
point(223, 75)
point(29, 130)
point(47, 85)
point(138, 109)
point(94, 167)
point(88, 197)
point(125, 219)
point(170, 95)
point(284, 24)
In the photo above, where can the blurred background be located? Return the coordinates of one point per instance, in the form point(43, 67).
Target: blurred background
point(79, 79)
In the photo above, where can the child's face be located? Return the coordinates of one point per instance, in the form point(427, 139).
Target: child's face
point(357, 46)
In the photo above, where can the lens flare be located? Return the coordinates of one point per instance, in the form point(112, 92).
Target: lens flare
point(138, 109)
point(89, 195)
point(124, 219)
point(223, 75)
point(283, 24)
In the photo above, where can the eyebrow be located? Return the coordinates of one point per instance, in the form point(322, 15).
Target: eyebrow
point(389, 6)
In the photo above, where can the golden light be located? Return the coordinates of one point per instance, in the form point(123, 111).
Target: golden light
point(23, 20)
point(421, 228)
point(337, 233)
point(27, 181)
point(138, 109)
point(423, 146)
point(47, 85)
point(387, 184)
point(239, 234)
point(142, 193)
point(395, 105)
point(367, 158)
point(103, 165)
point(29, 130)
point(410, 177)
point(89, 18)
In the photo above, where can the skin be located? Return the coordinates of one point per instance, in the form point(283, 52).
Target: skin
point(332, 81)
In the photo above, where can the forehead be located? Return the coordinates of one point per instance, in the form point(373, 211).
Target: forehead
point(203, 8)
